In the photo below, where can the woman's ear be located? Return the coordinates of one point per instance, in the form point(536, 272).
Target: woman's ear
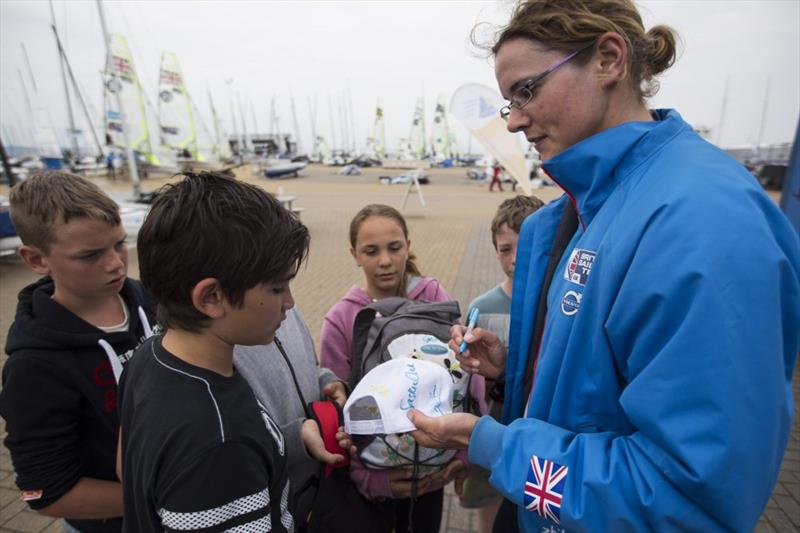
point(353, 253)
point(209, 298)
point(612, 64)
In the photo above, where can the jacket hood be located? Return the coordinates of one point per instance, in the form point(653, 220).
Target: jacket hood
point(43, 324)
point(590, 170)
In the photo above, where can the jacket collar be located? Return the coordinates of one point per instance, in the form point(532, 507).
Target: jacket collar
point(590, 170)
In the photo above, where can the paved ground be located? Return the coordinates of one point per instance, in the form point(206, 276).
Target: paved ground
point(452, 242)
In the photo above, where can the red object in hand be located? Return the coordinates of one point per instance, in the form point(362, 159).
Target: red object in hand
point(329, 417)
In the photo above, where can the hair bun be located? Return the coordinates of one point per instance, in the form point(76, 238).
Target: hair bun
point(662, 50)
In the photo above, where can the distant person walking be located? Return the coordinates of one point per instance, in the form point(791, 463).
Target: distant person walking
point(496, 177)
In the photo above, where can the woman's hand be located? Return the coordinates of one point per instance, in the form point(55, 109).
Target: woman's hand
point(451, 432)
point(485, 353)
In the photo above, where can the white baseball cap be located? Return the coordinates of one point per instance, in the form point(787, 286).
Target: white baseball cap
point(380, 403)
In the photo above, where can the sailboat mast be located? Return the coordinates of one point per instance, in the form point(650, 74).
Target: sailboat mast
point(722, 110)
point(352, 117)
point(296, 126)
point(255, 122)
point(763, 115)
point(30, 72)
point(228, 82)
point(63, 54)
point(344, 122)
point(244, 124)
point(25, 92)
point(72, 132)
point(333, 122)
point(312, 112)
point(132, 168)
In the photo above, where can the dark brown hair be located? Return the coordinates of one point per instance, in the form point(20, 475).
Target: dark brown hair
point(210, 225)
point(569, 25)
point(385, 211)
point(513, 212)
point(44, 201)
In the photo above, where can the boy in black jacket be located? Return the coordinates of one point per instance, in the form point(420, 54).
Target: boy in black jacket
point(198, 451)
point(73, 330)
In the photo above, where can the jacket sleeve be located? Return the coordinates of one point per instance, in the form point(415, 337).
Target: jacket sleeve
point(42, 413)
point(704, 332)
point(371, 483)
point(334, 349)
point(325, 376)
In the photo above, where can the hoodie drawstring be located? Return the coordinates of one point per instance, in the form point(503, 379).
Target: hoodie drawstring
point(116, 366)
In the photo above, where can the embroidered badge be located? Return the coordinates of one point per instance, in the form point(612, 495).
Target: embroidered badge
point(30, 495)
point(571, 302)
point(579, 266)
point(544, 488)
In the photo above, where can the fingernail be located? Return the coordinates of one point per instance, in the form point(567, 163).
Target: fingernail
point(410, 415)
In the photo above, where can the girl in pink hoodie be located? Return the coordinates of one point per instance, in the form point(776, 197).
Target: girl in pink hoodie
point(380, 246)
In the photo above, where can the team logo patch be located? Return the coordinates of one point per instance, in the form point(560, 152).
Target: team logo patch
point(571, 302)
point(579, 266)
point(544, 488)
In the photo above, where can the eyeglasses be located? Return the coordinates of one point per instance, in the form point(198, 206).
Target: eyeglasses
point(525, 94)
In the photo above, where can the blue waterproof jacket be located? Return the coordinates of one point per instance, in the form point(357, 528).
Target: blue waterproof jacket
point(662, 392)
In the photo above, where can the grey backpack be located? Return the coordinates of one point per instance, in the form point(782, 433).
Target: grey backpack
point(397, 327)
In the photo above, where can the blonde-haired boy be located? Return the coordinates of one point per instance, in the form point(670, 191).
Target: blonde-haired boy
point(73, 330)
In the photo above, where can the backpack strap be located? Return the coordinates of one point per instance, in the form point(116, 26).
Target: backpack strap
point(361, 329)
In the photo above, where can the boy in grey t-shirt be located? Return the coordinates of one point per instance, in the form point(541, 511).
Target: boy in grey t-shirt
point(495, 308)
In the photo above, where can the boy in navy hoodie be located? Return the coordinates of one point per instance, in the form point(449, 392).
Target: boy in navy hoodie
point(73, 331)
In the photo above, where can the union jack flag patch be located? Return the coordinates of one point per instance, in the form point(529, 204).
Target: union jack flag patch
point(544, 488)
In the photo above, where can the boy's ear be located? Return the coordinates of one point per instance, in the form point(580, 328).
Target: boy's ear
point(35, 259)
point(208, 298)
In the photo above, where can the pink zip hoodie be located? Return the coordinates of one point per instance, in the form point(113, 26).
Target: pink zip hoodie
point(335, 353)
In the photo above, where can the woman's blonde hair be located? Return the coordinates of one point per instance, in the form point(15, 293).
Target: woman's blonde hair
point(385, 211)
point(569, 25)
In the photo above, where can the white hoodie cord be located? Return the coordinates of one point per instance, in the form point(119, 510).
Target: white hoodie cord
point(116, 366)
point(148, 331)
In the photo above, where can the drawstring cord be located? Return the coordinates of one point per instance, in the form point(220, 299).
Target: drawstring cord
point(414, 474)
point(111, 355)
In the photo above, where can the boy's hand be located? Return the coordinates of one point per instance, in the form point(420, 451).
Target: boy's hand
point(309, 432)
point(401, 483)
point(455, 469)
point(337, 392)
point(346, 441)
point(485, 354)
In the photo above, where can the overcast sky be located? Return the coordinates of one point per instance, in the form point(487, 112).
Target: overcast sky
point(395, 51)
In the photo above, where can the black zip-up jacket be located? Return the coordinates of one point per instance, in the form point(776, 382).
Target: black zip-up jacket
point(59, 396)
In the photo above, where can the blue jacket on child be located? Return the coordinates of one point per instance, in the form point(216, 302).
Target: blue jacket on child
point(662, 392)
